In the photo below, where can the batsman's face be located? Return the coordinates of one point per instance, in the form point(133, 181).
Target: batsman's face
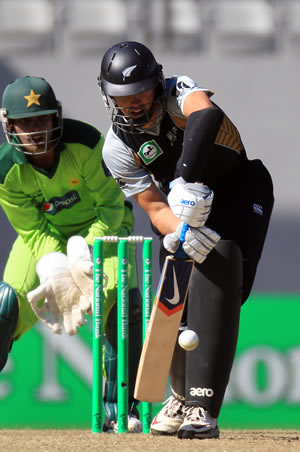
point(34, 133)
point(137, 105)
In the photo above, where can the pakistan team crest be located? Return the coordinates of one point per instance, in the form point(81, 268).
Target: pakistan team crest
point(149, 151)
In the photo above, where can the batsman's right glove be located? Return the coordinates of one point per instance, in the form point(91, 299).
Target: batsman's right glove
point(198, 242)
point(190, 202)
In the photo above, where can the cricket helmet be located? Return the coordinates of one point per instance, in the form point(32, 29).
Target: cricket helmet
point(28, 97)
point(129, 68)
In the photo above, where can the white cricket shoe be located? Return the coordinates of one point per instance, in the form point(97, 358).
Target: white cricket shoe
point(169, 418)
point(134, 425)
point(198, 424)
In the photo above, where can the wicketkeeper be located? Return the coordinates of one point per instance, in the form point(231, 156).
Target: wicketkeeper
point(58, 195)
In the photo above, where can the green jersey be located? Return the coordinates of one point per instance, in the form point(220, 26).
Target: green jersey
point(77, 197)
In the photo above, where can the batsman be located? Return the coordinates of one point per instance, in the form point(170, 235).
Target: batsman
point(58, 195)
point(168, 131)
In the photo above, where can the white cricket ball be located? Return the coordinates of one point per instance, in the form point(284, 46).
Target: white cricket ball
point(188, 340)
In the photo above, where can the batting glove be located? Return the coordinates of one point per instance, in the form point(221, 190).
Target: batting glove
point(191, 202)
point(198, 242)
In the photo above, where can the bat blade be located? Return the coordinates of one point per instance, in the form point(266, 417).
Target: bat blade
point(161, 336)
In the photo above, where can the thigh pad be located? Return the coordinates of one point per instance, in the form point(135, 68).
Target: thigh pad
point(9, 310)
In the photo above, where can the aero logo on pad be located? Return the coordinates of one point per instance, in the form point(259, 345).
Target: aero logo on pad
point(177, 274)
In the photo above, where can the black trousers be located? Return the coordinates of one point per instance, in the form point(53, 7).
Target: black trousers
point(240, 214)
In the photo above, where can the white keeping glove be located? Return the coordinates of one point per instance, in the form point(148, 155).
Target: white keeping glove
point(191, 202)
point(63, 299)
point(197, 245)
point(81, 267)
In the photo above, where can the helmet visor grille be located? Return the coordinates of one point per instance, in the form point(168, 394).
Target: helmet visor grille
point(133, 120)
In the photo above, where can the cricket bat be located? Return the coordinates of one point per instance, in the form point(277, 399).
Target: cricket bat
point(162, 332)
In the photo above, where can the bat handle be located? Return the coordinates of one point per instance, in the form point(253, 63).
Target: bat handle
point(183, 232)
point(180, 253)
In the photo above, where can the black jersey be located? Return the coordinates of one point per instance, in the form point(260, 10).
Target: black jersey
point(157, 154)
point(136, 159)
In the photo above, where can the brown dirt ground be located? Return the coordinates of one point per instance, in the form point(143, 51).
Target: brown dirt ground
point(85, 440)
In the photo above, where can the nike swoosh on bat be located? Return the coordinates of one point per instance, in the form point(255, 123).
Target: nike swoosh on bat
point(176, 296)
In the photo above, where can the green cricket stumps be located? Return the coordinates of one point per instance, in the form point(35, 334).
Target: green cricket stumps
point(122, 328)
point(97, 391)
point(147, 307)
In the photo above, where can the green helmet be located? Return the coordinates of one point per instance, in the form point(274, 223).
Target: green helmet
point(28, 97)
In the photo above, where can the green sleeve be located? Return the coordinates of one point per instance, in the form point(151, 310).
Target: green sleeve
point(28, 221)
point(107, 197)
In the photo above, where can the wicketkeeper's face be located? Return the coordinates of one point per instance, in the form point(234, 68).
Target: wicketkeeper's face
point(34, 133)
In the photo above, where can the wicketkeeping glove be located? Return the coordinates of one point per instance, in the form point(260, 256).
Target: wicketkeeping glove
point(198, 242)
point(81, 267)
point(191, 202)
point(63, 298)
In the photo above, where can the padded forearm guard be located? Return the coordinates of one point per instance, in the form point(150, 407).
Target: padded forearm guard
point(199, 137)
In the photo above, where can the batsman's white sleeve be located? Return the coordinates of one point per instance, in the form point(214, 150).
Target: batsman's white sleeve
point(119, 159)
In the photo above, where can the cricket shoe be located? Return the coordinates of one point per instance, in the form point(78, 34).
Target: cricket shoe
point(108, 426)
point(169, 419)
point(198, 424)
point(134, 424)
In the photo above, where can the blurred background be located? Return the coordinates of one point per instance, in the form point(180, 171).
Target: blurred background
point(247, 51)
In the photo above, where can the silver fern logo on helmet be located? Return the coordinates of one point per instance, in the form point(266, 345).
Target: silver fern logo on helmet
point(127, 71)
